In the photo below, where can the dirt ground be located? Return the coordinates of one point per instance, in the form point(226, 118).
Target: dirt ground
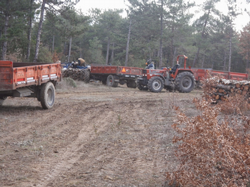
point(93, 136)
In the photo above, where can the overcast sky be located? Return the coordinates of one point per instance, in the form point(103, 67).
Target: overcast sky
point(85, 5)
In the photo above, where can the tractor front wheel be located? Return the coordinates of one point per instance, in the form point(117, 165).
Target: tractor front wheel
point(155, 84)
point(185, 82)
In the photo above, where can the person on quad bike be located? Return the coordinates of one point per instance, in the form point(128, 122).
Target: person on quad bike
point(81, 62)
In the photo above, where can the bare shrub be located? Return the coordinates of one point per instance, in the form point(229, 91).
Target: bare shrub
point(212, 150)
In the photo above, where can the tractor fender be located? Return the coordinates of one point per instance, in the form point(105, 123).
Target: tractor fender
point(189, 70)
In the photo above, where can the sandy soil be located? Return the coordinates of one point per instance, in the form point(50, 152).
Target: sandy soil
point(93, 136)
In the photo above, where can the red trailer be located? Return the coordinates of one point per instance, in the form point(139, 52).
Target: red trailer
point(29, 80)
point(200, 74)
point(112, 75)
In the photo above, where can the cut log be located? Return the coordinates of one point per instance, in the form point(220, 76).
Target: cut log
point(224, 87)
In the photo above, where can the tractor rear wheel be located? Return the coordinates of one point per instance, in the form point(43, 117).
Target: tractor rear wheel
point(86, 76)
point(155, 84)
point(111, 81)
point(185, 82)
point(47, 95)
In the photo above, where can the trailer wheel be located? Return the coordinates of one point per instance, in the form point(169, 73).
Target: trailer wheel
point(47, 95)
point(111, 81)
point(131, 84)
point(155, 84)
point(86, 76)
point(185, 82)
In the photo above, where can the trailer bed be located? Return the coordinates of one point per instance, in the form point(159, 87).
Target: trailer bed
point(16, 75)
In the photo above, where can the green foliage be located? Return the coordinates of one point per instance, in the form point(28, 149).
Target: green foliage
point(103, 34)
point(45, 56)
point(95, 51)
point(69, 81)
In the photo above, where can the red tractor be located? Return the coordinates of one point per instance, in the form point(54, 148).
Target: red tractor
point(176, 78)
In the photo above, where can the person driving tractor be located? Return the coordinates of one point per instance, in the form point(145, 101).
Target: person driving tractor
point(150, 65)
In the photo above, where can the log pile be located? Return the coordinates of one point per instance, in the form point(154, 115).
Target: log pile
point(221, 89)
point(76, 74)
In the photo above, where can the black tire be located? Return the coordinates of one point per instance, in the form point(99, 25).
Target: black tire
point(131, 84)
point(170, 88)
point(1, 102)
point(155, 84)
point(47, 95)
point(104, 81)
point(111, 81)
point(185, 82)
point(86, 76)
point(142, 87)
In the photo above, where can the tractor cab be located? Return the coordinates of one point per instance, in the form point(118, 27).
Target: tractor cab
point(174, 71)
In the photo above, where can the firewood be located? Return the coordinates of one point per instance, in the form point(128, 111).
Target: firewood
point(217, 97)
point(244, 92)
point(223, 98)
point(224, 87)
point(221, 90)
point(246, 87)
point(238, 91)
point(237, 85)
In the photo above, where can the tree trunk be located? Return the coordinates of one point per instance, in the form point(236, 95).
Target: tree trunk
point(80, 49)
point(5, 43)
point(29, 30)
point(203, 60)
point(160, 63)
point(127, 47)
point(202, 35)
point(247, 60)
point(230, 51)
point(196, 57)
point(70, 43)
point(112, 53)
point(173, 61)
point(107, 55)
point(53, 43)
point(38, 37)
point(225, 60)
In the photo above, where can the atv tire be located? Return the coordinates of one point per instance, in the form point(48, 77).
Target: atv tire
point(185, 82)
point(86, 76)
point(155, 84)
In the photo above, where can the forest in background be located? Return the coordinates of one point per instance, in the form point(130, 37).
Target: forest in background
point(47, 30)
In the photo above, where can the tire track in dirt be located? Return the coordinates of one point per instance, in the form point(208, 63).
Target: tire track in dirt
point(57, 117)
point(73, 151)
